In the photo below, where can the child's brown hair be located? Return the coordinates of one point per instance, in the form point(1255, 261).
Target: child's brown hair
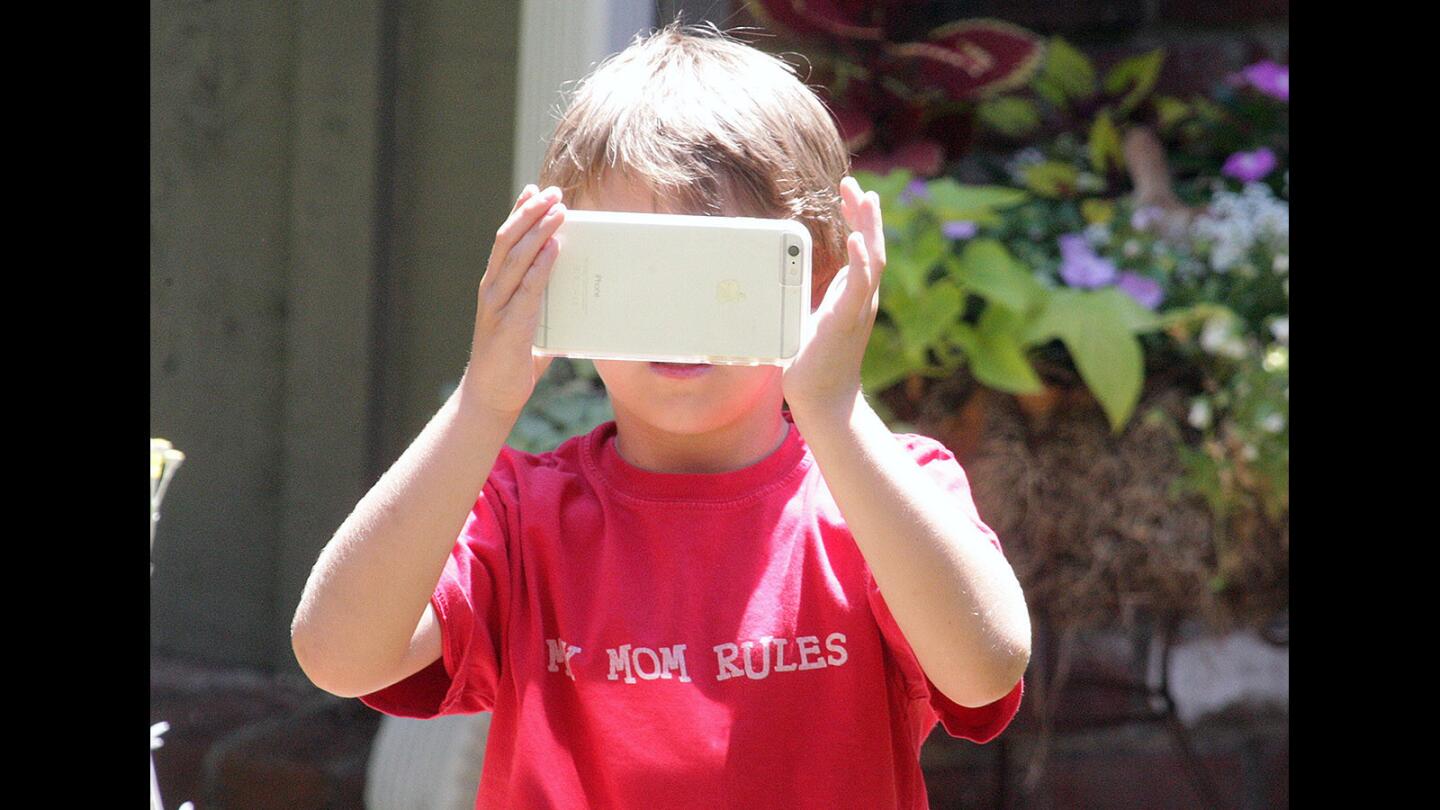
point(704, 120)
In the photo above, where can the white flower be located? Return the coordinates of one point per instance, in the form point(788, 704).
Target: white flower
point(1098, 234)
point(1219, 337)
point(1280, 328)
point(1272, 423)
point(1023, 160)
point(1030, 156)
point(1199, 417)
point(1249, 453)
point(1282, 263)
point(1213, 334)
point(1234, 224)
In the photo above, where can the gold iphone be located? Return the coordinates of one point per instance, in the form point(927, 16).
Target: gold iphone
point(676, 288)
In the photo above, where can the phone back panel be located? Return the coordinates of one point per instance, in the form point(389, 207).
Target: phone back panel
point(673, 287)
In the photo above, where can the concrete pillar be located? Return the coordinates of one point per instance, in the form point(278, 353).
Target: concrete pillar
point(454, 108)
point(330, 287)
point(220, 127)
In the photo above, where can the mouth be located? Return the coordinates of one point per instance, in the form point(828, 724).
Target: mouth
point(680, 370)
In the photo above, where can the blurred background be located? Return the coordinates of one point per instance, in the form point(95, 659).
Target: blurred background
point(1087, 210)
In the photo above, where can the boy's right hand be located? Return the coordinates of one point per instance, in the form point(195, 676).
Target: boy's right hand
point(502, 372)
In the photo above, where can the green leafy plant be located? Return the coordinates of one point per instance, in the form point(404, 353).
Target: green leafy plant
point(948, 300)
point(1080, 248)
point(568, 400)
point(904, 91)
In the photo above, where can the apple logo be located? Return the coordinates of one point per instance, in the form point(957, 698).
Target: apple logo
point(728, 292)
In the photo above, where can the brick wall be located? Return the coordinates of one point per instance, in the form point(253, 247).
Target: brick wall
point(245, 739)
point(1092, 757)
point(1125, 766)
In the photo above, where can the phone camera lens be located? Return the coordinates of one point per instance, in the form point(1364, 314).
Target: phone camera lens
point(794, 250)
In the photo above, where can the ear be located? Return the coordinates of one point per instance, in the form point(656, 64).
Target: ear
point(821, 280)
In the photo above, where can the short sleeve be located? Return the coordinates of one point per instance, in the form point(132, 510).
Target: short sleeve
point(980, 724)
point(472, 605)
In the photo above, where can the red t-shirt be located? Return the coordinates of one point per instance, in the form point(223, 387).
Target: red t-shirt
point(657, 640)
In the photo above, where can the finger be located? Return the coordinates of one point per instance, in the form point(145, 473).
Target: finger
point(874, 229)
point(850, 198)
point(862, 259)
point(526, 300)
point(523, 254)
point(526, 193)
point(860, 274)
point(513, 271)
point(527, 211)
point(866, 302)
point(522, 314)
point(519, 223)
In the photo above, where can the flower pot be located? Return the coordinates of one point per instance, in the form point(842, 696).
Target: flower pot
point(1089, 519)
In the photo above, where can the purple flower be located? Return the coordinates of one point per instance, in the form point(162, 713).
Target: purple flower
point(1145, 216)
point(915, 190)
point(1146, 292)
point(959, 229)
point(1269, 78)
point(1247, 167)
point(1074, 246)
point(1080, 267)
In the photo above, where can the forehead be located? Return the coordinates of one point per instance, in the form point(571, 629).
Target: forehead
point(616, 192)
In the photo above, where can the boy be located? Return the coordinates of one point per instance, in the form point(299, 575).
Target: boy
point(710, 601)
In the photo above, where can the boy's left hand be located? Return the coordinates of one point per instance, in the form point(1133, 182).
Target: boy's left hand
point(825, 374)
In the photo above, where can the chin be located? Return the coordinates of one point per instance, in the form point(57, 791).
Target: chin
point(729, 395)
point(691, 423)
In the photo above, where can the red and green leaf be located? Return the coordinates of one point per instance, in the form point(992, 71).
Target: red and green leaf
point(971, 59)
point(843, 19)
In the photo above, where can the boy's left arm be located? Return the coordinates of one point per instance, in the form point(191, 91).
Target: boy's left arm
point(951, 591)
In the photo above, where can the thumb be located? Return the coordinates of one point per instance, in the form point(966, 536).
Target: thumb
point(835, 290)
point(542, 362)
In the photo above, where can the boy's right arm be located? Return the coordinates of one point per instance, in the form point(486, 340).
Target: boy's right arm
point(365, 620)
